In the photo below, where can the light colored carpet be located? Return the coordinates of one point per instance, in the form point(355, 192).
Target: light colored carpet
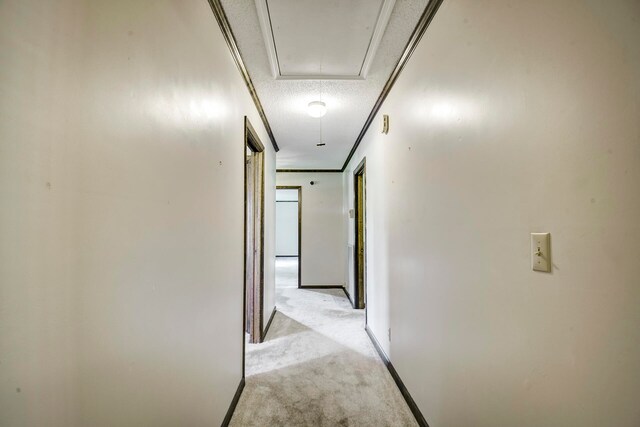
point(287, 272)
point(317, 367)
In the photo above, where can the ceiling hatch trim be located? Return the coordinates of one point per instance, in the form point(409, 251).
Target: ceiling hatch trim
point(266, 25)
point(225, 28)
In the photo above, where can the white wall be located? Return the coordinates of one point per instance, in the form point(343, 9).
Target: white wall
point(269, 224)
point(323, 240)
point(511, 118)
point(286, 228)
point(121, 219)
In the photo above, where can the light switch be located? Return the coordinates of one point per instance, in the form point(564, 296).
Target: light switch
point(540, 252)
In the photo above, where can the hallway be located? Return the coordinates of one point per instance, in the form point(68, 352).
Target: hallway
point(317, 367)
point(180, 177)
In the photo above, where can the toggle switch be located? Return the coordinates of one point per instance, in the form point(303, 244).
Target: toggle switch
point(540, 252)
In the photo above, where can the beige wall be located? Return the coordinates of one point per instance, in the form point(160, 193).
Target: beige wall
point(121, 217)
point(511, 118)
point(269, 224)
point(323, 248)
point(287, 228)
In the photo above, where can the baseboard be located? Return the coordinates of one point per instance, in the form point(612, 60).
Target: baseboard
point(346, 292)
point(344, 289)
point(321, 287)
point(234, 403)
point(266, 329)
point(394, 374)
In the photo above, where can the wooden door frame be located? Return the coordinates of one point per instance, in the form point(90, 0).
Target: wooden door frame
point(299, 188)
point(252, 141)
point(360, 170)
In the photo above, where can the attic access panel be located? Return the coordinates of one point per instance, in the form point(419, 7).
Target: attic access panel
point(329, 39)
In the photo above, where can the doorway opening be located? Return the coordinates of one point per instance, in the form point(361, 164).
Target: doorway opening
point(288, 236)
point(254, 234)
point(360, 258)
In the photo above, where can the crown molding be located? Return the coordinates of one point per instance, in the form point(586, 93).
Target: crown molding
point(223, 22)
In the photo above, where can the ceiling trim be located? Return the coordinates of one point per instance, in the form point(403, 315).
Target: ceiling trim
point(416, 36)
point(223, 22)
point(318, 77)
point(309, 170)
point(378, 32)
point(266, 26)
point(267, 34)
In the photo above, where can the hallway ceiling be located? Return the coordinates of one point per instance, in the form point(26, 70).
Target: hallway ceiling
point(338, 51)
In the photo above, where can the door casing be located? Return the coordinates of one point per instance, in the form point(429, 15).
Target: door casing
point(360, 246)
point(253, 301)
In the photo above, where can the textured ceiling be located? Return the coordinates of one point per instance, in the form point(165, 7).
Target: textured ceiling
point(349, 102)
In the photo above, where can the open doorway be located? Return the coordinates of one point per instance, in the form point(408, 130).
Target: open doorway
point(288, 236)
point(360, 258)
point(254, 234)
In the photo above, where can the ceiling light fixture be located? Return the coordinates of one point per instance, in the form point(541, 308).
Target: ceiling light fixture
point(317, 109)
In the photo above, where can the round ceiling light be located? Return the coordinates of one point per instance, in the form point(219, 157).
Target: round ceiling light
point(317, 109)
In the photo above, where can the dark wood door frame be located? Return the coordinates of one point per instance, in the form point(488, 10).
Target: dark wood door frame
point(253, 143)
point(360, 242)
point(299, 188)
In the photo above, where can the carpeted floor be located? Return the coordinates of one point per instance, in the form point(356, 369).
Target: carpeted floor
point(287, 272)
point(317, 367)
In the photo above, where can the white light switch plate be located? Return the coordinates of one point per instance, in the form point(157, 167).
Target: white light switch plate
point(540, 252)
